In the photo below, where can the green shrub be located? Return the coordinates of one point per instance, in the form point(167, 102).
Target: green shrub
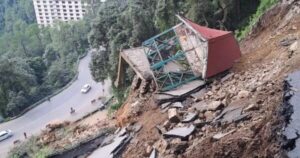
point(263, 6)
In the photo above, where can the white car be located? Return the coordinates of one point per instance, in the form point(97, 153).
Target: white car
point(85, 88)
point(5, 134)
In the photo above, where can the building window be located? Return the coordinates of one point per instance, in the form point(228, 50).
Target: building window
point(64, 6)
point(65, 10)
point(70, 10)
point(70, 2)
point(72, 18)
point(77, 14)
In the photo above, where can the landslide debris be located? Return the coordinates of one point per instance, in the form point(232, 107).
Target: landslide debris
point(237, 115)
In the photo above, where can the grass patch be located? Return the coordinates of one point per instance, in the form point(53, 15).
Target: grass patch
point(32, 145)
point(263, 6)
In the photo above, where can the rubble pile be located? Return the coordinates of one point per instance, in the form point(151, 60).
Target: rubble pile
point(237, 115)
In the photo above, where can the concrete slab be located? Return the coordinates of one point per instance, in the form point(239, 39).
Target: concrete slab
point(138, 61)
point(186, 88)
point(180, 132)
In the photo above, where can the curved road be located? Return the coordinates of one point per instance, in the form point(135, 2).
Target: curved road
point(58, 108)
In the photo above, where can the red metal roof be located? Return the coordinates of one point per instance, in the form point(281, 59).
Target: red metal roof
point(223, 49)
point(206, 32)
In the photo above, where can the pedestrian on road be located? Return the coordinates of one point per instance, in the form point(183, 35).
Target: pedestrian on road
point(25, 135)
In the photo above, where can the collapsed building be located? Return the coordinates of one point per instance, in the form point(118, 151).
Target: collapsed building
point(181, 54)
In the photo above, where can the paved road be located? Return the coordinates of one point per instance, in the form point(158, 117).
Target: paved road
point(58, 108)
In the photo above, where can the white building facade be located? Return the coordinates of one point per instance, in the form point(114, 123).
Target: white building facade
point(49, 11)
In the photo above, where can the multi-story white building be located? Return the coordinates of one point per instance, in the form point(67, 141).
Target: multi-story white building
point(49, 11)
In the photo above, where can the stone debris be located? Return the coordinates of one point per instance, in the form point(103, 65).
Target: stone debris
point(251, 107)
point(181, 132)
point(176, 105)
point(287, 41)
point(199, 123)
point(213, 106)
point(221, 135)
point(173, 115)
point(189, 117)
point(199, 94)
point(153, 153)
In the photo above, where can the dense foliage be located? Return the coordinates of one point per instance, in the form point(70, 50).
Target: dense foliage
point(34, 62)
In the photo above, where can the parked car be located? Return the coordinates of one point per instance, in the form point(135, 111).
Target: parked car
point(5, 134)
point(86, 88)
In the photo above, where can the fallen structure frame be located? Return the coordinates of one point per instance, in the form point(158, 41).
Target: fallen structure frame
point(181, 54)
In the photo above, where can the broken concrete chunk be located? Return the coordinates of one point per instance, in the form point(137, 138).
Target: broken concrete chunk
point(153, 153)
point(173, 115)
point(176, 105)
point(189, 117)
point(221, 135)
point(181, 132)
